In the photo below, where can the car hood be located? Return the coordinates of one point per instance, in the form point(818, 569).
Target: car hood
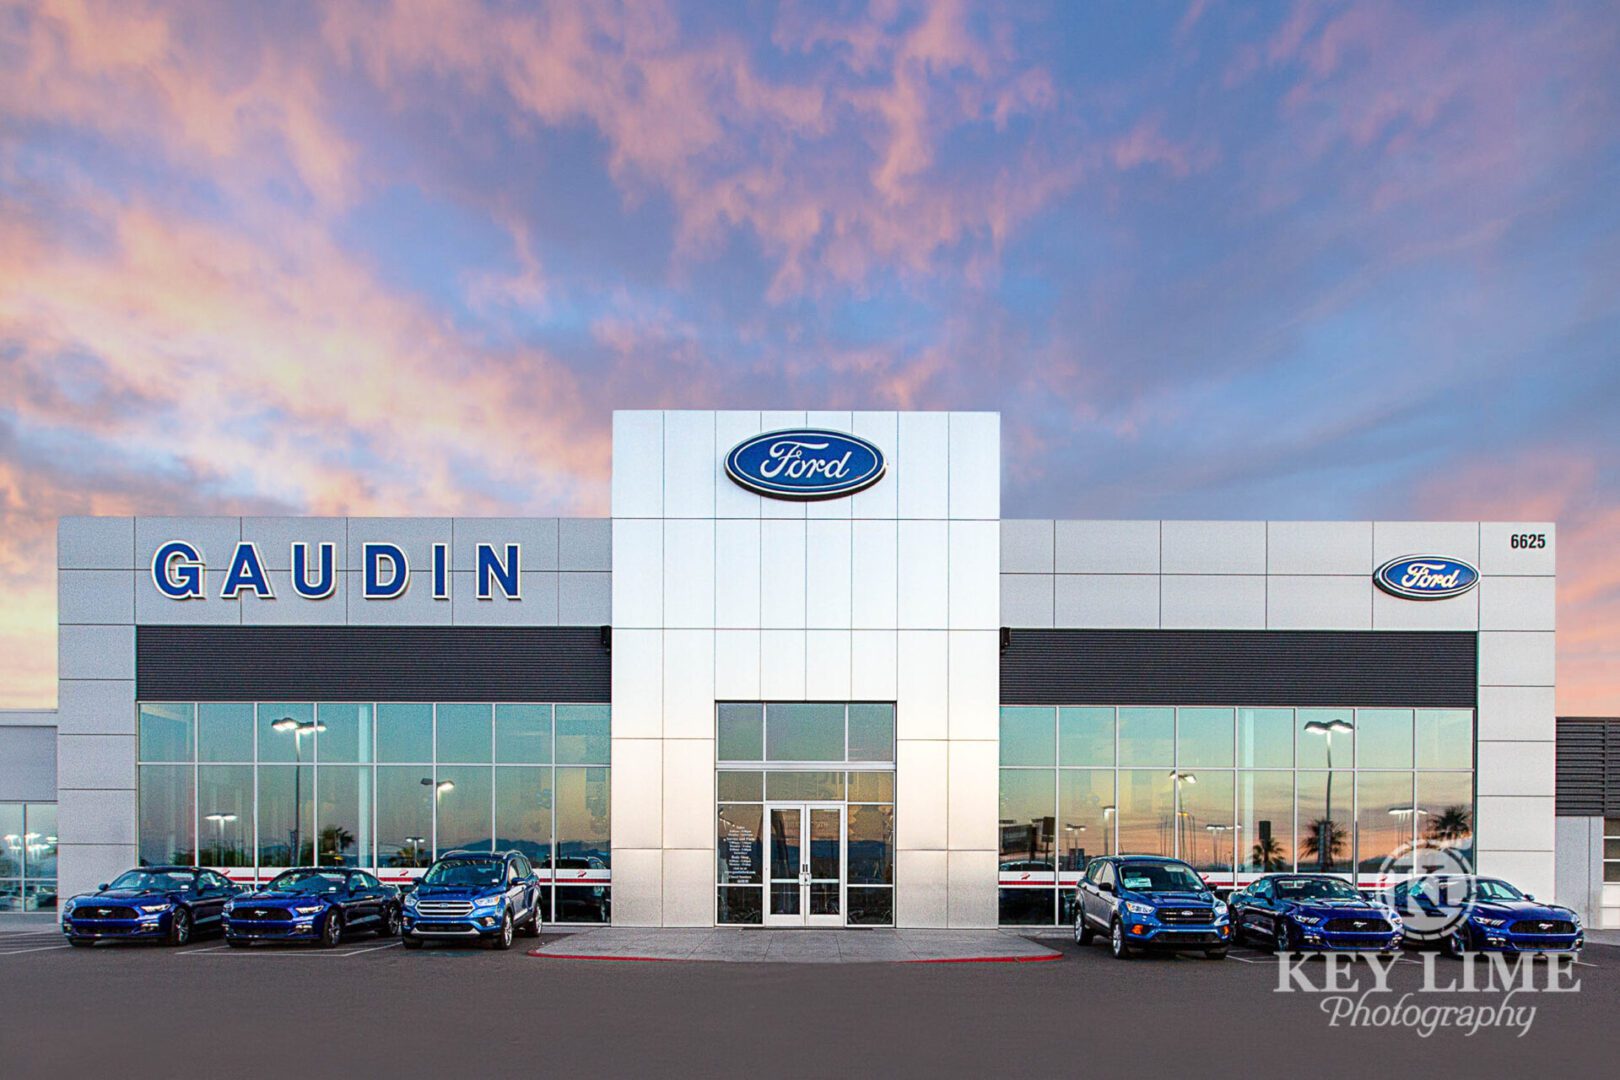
point(1175, 899)
point(456, 892)
point(283, 900)
point(1523, 909)
point(1335, 909)
point(124, 896)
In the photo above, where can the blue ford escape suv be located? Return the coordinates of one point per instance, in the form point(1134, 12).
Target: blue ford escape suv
point(1149, 902)
point(474, 896)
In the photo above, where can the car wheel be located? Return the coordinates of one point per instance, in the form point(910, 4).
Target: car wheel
point(391, 922)
point(80, 942)
point(179, 927)
point(503, 940)
point(1116, 942)
point(1082, 932)
point(331, 930)
point(1282, 940)
point(1454, 944)
point(532, 927)
point(411, 941)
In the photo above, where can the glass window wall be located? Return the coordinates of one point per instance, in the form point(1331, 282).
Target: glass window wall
point(27, 857)
point(1341, 790)
point(250, 788)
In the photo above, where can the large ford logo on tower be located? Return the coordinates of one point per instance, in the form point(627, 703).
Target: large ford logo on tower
point(805, 464)
point(1426, 577)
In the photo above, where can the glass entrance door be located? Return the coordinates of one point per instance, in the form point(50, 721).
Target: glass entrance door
point(805, 853)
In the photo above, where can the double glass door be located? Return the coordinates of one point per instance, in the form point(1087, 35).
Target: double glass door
point(804, 849)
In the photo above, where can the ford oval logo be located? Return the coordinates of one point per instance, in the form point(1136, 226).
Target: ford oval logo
point(805, 464)
point(1426, 577)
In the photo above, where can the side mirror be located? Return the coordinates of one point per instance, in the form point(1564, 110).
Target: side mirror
point(1105, 886)
point(1529, 896)
point(102, 887)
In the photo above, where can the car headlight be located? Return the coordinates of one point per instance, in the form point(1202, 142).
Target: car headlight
point(230, 906)
point(488, 902)
point(67, 908)
point(1489, 922)
point(1138, 909)
point(312, 910)
point(1220, 908)
point(410, 900)
point(1575, 919)
point(1308, 920)
point(153, 909)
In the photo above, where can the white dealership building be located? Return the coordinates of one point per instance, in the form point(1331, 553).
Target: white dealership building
point(809, 679)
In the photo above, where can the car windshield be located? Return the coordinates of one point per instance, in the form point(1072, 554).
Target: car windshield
point(307, 882)
point(1159, 877)
point(150, 881)
point(465, 872)
point(1315, 889)
point(1492, 889)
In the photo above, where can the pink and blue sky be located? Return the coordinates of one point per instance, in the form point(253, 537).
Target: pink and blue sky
point(1306, 260)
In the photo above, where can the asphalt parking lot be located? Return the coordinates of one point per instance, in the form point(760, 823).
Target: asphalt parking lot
point(141, 1010)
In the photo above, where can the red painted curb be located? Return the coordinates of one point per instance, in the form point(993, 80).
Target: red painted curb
point(987, 959)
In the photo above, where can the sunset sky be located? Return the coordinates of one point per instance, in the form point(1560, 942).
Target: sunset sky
point(1209, 259)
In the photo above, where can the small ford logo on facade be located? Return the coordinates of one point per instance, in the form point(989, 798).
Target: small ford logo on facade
point(805, 464)
point(1426, 577)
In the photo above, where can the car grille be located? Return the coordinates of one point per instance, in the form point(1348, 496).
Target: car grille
point(439, 909)
point(103, 913)
point(1186, 916)
point(1369, 925)
point(1543, 926)
point(263, 914)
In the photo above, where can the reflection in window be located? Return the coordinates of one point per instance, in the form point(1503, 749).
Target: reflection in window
point(523, 735)
point(1085, 736)
point(286, 731)
point(1445, 801)
point(1265, 738)
point(1323, 821)
point(584, 734)
point(225, 731)
point(225, 813)
point(464, 794)
point(405, 732)
point(1326, 738)
point(1203, 738)
point(1445, 738)
point(1028, 736)
point(1205, 820)
point(1265, 821)
point(344, 732)
point(804, 732)
point(523, 810)
point(871, 733)
point(1028, 818)
point(463, 733)
point(1147, 737)
point(286, 815)
point(28, 846)
point(1085, 825)
point(166, 732)
point(1146, 812)
point(165, 815)
point(871, 845)
point(343, 815)
point(1384, 738)
point(740, 732)
point(404, 814)
point(1385, 818)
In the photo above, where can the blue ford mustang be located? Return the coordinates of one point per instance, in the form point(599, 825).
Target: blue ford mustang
point(318, 904)
point(156, 903)
point(1313, 913)
point(1499, 917)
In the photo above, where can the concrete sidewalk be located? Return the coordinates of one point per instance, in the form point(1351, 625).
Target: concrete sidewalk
point(732, 945)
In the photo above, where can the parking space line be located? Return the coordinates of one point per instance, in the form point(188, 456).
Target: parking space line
point(294, 953)
point(41, 948)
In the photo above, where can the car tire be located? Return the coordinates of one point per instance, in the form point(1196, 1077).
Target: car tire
point(1454, 945)
point(80, 942)
point(179, 928)
point(1282, 941)
point(331, 930)
point(503, 939)
point(411, 941)
point(531, 929)
point(391, 923)
point(1116, 941)
point(1082, 933)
